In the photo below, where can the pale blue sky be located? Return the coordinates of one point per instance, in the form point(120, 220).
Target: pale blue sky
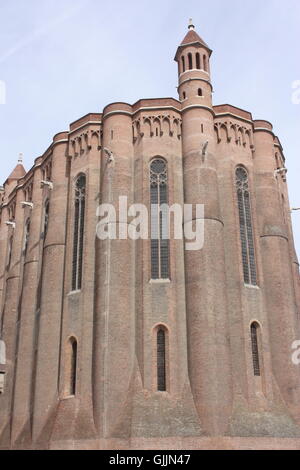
point(61, 59)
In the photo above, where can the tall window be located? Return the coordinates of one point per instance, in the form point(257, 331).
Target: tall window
point(255, 349)
point(246, 228)
point(10, 247)
point(79, 217)
point(159, 240)
point(161, 361)
point(46, 218)
point(26, 237)
point(190, 59)
point(71, 367)
point(198, 65)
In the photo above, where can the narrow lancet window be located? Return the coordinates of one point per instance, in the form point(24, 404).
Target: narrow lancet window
point(190, 57)
point(198, 65)
point(161, 361)
point(71, 367)
point(255, 349)
point(183, 63)
point(46, 218)
point(159, 219)
point(26, 237)
point(79, 219)
point(246, 226)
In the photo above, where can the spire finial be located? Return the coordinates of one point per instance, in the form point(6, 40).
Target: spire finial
point(191, 24)
point(20, 159)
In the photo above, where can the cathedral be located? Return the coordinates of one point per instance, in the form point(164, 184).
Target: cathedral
point(142, 344)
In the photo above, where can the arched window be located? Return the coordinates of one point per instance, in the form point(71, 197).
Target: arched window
point(255, 348)
point(205, 63)
point(26, 236)
point(183, 63)
point(190, 57)
point(184, 95)
point(159, 240)
point(198, 64)
point(246, 228)
point(161, 361)
point(79, 217)
point(200, 93)
point(71, 367)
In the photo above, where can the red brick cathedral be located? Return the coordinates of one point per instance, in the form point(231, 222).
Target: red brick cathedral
point(142, 344)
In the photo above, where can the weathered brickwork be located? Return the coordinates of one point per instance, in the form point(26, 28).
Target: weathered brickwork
point(79, 367)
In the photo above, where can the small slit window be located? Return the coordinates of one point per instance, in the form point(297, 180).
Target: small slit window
point(255, 349)
point(71, 367)
point(10, 248)
point(161, 361)
point(46, 218)
point(26, 237)
point(183, 63)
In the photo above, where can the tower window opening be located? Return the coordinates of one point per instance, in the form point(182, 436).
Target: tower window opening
point(255, 350)
point(202, 128)
point(183, 63)
point(184, 95)
point(200, 93)
point(205, 63)
point(161, 361)
point(198, 64)
point(190, 58)
point(246, 226)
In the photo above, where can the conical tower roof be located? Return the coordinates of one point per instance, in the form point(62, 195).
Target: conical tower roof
point(192, 38)
point(19, 171)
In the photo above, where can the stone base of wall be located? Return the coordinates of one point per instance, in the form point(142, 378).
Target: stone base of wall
point(216, 443)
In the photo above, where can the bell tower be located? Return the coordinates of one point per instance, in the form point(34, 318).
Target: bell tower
point(205, 282)
point(193, 56)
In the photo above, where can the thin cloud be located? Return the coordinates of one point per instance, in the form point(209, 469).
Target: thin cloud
point(42, 31)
